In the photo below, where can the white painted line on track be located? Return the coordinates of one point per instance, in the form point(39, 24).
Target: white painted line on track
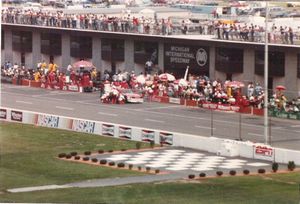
point(55, 93)
point(295, 126)
point(160, 107)
point(109, 114)
point(25, 102)
point(254, 134)
point(152, 120)
point(203, 127)
point(64, 108)
point(277, 128)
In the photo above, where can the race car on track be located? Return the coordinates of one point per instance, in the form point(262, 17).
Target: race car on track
point(131, 97)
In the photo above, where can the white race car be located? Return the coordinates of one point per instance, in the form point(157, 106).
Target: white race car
point(131, 97)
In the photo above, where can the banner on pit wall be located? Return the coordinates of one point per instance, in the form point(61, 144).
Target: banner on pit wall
point(73, 88)
point(148, 135)
point(16, 116)
point(263, 152)
point(283, 114)
point(3, 114)
point(166, 138)
point(108, 130)
point(47, 121)
point(125, 132)
point(174, 100)
point(220, 107)
point(83, 126)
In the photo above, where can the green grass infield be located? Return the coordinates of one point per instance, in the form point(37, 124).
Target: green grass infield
point(28, 158)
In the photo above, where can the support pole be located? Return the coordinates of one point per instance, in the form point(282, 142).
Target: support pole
point(240, 126)
point(211, 123)
point(266, 70)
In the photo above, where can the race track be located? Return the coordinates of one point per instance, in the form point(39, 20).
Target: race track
point(168, 117)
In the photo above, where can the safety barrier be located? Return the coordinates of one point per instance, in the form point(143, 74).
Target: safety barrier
point(219, 146)
point(35, 84)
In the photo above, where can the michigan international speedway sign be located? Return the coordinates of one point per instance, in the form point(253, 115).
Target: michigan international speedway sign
point(178, 57)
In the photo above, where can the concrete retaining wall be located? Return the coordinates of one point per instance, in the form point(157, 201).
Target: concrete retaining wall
point(219, 146)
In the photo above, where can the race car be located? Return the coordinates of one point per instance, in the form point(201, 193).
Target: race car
point(131, 97)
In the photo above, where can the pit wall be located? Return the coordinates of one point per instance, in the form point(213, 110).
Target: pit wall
point(219, 146)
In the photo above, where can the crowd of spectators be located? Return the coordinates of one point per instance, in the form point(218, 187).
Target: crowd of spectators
point(198, 88)
point(144, 25)
point(255, 33)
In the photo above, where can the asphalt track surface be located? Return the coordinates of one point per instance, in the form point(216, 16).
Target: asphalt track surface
point(167, 117)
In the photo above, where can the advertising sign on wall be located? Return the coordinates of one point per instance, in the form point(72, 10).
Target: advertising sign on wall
point(16, 116)
point(48, 121)
point(108, 130)
point(178, 57)
point(165, 138)
point(73, 88)
point(263, 152)
point(3, 113)
point(125, 132)
point(147, 135)
point(83, 126)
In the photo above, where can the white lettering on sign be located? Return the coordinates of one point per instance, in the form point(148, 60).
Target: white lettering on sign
point(265, 151)
point(180, 55)
point(3, 113)
point(16, 116)
point(73, 87)
point(175, 100)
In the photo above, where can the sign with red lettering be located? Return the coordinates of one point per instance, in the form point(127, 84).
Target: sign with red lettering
point(220, 107)
point(264, 151)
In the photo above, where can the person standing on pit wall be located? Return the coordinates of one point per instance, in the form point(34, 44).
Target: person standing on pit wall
point(291, 35)
point(68, 73)
point(250, 90)
point(148, 67)
point(286, 35)
point(183, 27)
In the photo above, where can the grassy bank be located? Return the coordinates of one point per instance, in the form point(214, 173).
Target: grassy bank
point(252, 189)
point(28, 156)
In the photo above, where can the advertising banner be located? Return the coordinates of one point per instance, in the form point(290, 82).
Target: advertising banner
point(83, 126)
point(165, 138)
point(48, 121)
point(148, 135)
point(125, 132)
point(178, 57)
point(283, 114)
point(174, 100)
point(72, 88)
point(108, 130)
point(16, 116)
point(264, 152)
point(220, 107)
point(3, 114)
